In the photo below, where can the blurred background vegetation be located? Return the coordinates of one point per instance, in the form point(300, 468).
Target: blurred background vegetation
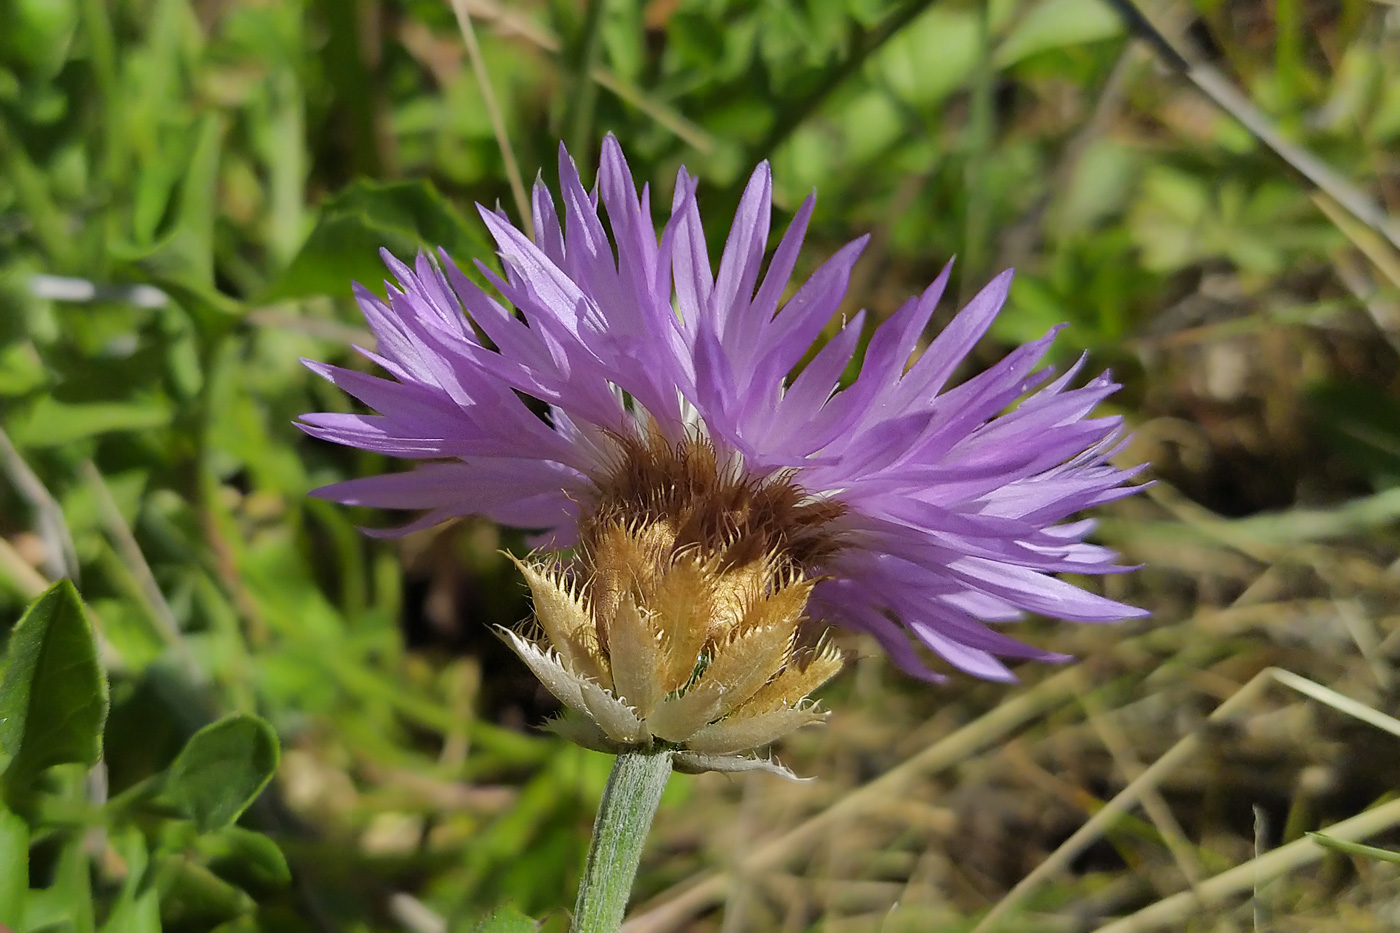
point(187, 190)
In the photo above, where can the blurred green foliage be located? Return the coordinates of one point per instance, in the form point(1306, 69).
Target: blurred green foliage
point(182, 867)
point(248, 159)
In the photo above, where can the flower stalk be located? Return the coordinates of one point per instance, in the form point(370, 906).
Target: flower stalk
point(619, 833)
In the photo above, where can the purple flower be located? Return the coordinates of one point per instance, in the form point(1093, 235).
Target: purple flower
point(946, 510)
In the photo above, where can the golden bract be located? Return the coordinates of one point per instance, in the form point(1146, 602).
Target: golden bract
point(680, 621)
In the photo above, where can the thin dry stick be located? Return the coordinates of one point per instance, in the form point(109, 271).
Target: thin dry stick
point(1358, 203)
point(1172, 911)
point(493, 110)
point(1338, 701)
point(1157, 809)
point(53, 528)
point(685, 130)
point(1379, 303)
point(1218, 89)
point(740, 894)
point(971, 738)
point(1382, 255)
point(1199, 518)
point(19, 572)
point(1365, 636)
point(1176, 755)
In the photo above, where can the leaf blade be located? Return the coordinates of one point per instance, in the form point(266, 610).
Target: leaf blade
point(222, 769)
point(53, 699)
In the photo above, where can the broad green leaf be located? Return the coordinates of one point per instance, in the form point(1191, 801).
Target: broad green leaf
point(53, 700)
point(1032, 311)
point(355, 224)
point(222, 769)
point(1385, 120)
point(14, 866)
point(1355, 848)
point(181, 260)
point(1101, 182)
point(507, 919)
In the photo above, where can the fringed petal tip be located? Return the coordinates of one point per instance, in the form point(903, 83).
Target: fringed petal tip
point(582, 731)
point(693, 763)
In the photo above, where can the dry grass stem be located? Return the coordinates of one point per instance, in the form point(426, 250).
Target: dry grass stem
point(60, 558)
point(1157, 809)
point(1225, 96)
point(512, 22)
point(1213, 889)
point(498, 123)
point(679, 904)
point(1172, 912)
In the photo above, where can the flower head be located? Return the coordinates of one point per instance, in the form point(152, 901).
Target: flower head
point(662, 631)
point(680, 426)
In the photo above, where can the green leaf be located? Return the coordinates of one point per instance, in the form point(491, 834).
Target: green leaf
point(506, 919)
point(355, 224)
point(1054, 24)
point(245, 858)
point(38, 34)
point(49, 423)
point(1355, 848)
point(185, 253)
point(222, 769)
point(20, 369)
point(192, 897)
point(931, 57)
point(140, 915)
point(14, 866)
point(53, 700)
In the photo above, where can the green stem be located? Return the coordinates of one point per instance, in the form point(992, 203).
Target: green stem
point(619, 833)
